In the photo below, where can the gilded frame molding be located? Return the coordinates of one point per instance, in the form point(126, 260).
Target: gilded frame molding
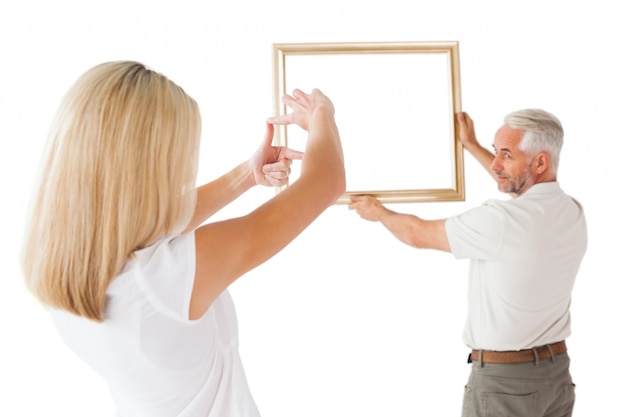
point(285, 55)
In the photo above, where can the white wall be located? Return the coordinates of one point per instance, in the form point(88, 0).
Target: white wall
point(346, 321)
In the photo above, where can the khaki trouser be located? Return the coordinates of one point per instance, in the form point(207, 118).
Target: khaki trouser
point(531, 389)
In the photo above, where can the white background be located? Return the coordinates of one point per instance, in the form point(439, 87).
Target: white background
point(347, 320)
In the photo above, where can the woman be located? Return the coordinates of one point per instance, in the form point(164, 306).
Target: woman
point(135, 284)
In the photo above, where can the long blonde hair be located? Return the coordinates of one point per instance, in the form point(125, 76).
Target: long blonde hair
point(118, 174)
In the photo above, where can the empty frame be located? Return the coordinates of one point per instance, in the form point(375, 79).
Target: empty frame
point(394, 106)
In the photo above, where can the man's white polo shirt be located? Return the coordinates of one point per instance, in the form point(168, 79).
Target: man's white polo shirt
point(524, 256)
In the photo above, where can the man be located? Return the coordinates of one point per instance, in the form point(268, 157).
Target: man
point(524, 256)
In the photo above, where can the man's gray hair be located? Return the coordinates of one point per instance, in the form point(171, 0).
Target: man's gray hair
point(542, 133)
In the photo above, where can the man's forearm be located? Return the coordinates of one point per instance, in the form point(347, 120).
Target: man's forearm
point(416, 232)
point(402, 226)
point(483, 156)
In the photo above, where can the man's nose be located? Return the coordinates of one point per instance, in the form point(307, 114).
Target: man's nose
point(496, 164)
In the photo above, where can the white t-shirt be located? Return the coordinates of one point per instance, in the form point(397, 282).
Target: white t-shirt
point(156, 361)
point(524, 256)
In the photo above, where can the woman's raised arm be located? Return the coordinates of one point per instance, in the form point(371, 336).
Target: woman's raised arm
point(227, 249)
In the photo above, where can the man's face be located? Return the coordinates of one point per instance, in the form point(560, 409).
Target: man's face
point(511, 165)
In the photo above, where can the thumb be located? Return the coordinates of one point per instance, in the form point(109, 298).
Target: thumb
point(269, 135)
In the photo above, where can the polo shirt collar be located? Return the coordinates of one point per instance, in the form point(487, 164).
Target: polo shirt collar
point(550, 187)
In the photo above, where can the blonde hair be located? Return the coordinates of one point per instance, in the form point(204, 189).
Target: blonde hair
point(119, 173)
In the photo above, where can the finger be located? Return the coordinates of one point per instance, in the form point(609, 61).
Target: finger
point(282, 166)
point(298, 99)
point(298, 94)
point(293, 154)
point(468, 120)
point(285, 119)
point(269, 134)
point(276, 182)
point(276, 177)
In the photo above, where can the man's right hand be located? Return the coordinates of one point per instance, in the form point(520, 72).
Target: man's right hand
point(467, 135)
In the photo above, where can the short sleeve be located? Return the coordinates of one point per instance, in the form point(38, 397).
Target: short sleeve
point(476, 233)
point(166, 273)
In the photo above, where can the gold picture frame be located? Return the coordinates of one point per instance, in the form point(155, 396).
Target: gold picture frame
point(395, 105)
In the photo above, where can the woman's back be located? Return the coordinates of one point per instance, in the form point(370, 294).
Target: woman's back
point(155, 360)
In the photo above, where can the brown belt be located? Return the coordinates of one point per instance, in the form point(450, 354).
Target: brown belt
point(519, 356)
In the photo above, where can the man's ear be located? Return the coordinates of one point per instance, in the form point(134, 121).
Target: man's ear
point(541, 162)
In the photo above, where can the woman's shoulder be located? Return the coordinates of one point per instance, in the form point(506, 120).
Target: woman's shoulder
point(163, 273)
